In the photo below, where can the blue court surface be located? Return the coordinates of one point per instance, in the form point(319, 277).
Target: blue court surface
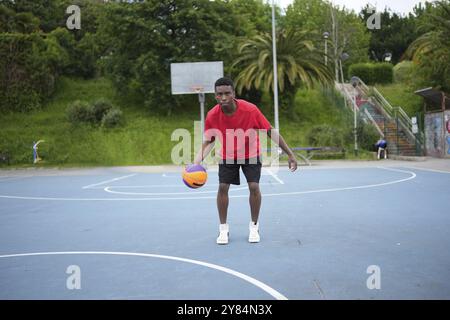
point(375, 230)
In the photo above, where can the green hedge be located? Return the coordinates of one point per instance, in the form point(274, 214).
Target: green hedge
point(372, 73)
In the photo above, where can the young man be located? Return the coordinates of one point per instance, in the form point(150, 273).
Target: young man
point(235, 123)
point(381, 145)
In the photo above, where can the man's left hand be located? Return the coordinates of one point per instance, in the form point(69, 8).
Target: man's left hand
point(292, 163)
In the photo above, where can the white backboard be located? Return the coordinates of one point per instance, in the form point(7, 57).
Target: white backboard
point(195, 77)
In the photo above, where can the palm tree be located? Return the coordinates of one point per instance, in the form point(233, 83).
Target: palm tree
point(431, 51)
point(299, 64)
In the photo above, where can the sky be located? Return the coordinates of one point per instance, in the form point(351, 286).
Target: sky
point(399, 6)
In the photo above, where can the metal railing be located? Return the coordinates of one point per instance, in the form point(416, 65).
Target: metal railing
point(402, 120)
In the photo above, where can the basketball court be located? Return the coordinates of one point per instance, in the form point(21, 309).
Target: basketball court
point(333, 230)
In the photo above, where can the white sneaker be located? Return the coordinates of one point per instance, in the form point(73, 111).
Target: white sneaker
point(253, 236)
point(223, 234)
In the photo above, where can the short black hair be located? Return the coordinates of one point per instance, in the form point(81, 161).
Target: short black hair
point(225, 81)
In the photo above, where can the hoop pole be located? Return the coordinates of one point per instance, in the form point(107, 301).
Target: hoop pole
point(201, 99)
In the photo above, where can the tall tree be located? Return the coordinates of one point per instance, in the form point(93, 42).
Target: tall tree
point(347, 33)
point(143, 39)
point(395, 35)
point(431, 51)
point(299, 64)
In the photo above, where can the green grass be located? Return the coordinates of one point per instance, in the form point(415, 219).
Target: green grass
point(401, 94)
point(145, 138)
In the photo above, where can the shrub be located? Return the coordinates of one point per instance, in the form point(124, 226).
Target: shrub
point(325, 136)
point(363, 71)
point(100, 108)
point(80, 112)
point(367, 136)
point(113, 118)
point(372, 73)
point(383, 73)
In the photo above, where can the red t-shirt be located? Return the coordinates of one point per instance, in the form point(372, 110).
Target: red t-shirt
point(238, 133)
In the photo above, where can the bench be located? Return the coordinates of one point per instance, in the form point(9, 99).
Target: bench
point(307, 153)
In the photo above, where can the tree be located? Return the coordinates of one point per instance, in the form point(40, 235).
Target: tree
point(347, 33)
point(141, 40)
point(23, 22)
point(395, 35)
point(299, 64)
point(49, 12)
point(431, 51)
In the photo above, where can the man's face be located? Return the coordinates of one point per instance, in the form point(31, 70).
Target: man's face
point(225, 96)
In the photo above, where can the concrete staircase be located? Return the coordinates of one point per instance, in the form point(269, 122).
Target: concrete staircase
point(390, 122)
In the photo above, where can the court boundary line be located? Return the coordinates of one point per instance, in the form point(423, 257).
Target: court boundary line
point(273, 175)
point(107, 181)
point(426, 169)
point(412, 176)
point(107, 189)
point(274, 293)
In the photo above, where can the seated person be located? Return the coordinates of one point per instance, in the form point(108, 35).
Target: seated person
point(381, 145)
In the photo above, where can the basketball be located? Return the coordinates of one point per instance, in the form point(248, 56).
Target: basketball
point(194, 176)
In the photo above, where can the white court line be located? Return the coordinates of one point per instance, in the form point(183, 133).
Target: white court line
point(274, 176)
point(277, 295)
point(179, 185)
point(426, 169)
point(412, 176)
point(107, 189)
point(112, 180)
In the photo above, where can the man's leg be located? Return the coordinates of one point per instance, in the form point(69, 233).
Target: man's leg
point(255, 205)
point(255, 200)
point(222, 202)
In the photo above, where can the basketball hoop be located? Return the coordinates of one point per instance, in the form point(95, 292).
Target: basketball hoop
point(197, 89)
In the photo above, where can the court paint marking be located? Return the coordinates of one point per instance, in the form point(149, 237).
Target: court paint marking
point(426, 169)
point(412, 176)
point(108, 189)
point(107, 181)
point(273, 175)
point(179, 185)
point(274, 293)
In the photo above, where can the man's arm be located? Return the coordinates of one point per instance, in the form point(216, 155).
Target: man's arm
point(275, 136)
point(202, 154)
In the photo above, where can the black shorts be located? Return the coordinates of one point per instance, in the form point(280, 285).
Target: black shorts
point(229, 172)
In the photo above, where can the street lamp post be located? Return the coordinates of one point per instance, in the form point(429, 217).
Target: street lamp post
point(325, 36)
point(275, 73)
point(344, 56)
point(354, 81)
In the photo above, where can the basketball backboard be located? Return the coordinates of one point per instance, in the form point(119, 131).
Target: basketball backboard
point(195, 77)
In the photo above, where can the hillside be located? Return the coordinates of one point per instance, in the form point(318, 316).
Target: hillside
point(145, 138)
